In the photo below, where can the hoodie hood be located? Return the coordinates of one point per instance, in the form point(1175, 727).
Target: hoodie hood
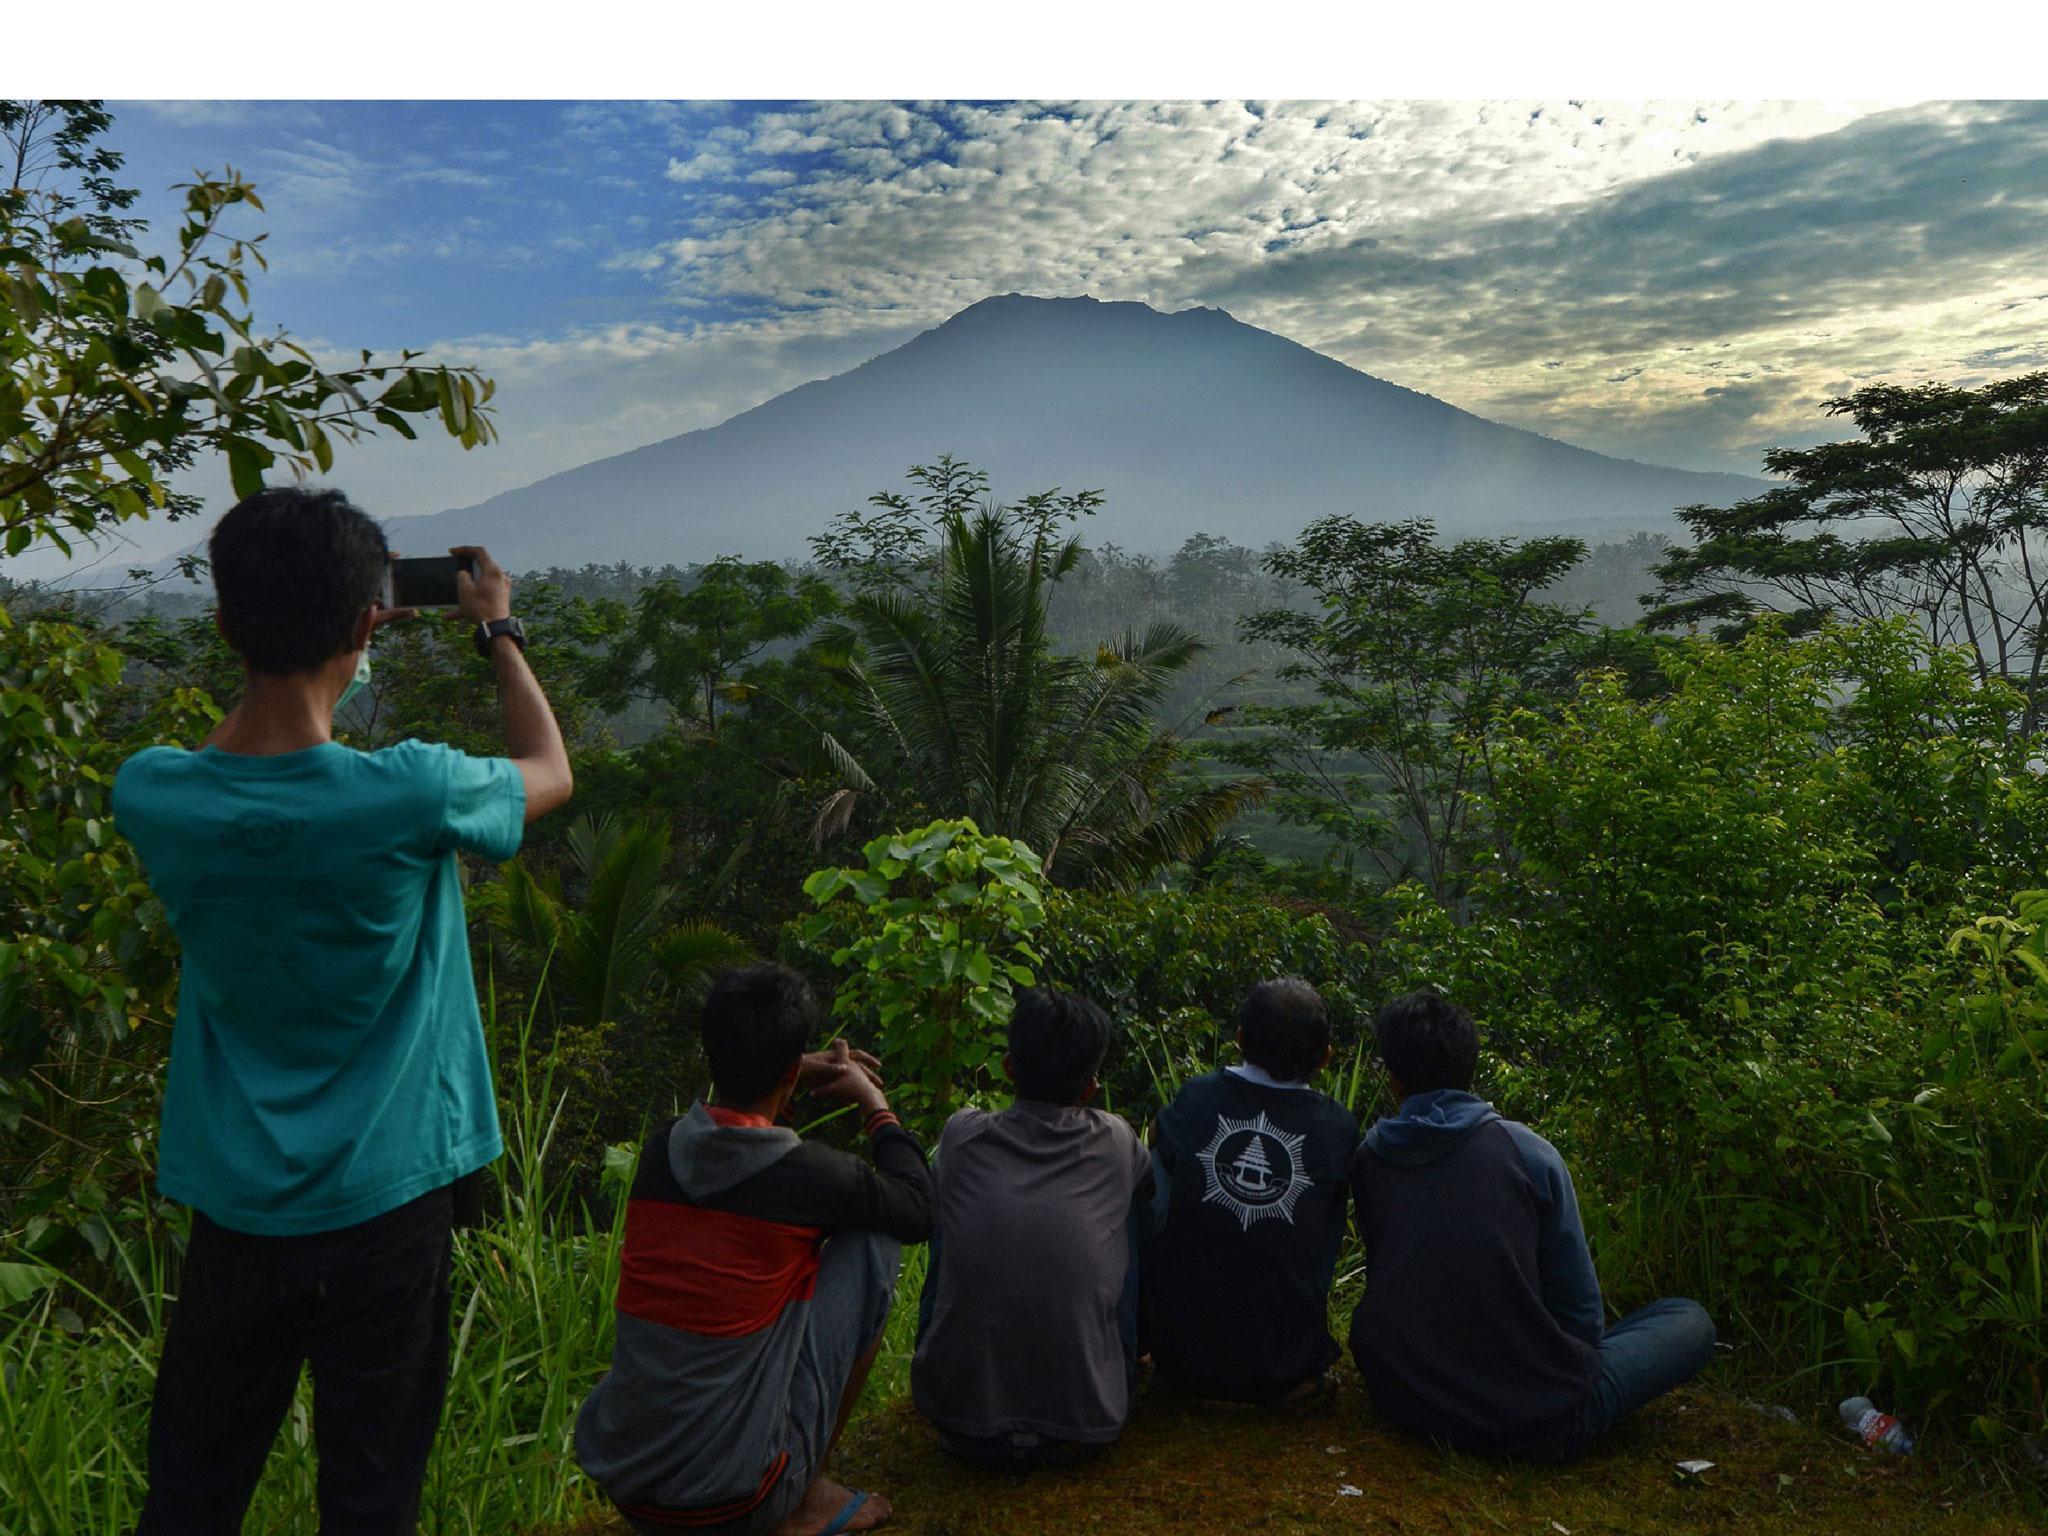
point(708, 1158)
point(1428, 1126)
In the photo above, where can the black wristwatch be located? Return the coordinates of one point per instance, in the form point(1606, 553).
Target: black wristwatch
point(508, 626)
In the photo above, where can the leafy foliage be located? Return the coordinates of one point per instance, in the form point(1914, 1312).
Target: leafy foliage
point(1717, 975)
point(88, 973)
point(900, 543)
point(690, 647)
point(934, 961)
point(115, 376)
point(602, 954)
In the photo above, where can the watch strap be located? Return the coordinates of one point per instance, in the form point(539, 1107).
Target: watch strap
point(508, 626)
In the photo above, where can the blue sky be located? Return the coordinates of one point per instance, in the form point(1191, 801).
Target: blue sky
point(397, 221)
point(1677, 282)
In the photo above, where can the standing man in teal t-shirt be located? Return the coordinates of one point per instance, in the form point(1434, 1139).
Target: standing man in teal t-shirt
point(328, 1082)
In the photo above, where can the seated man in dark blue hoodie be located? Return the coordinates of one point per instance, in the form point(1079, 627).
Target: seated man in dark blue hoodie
point(1482, 1326)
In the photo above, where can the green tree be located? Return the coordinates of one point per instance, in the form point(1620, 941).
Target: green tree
point(900, 543)
point(52, 146)
point(1937, 511)
point(1411, 649)
point(690, 647)
point(118, 369)
point(88, 972)
point(1672, 850)
point(1720, 976)
point(972, 711)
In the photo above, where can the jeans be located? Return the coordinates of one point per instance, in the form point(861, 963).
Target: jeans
point(1642, 1357)
point(366, 1307)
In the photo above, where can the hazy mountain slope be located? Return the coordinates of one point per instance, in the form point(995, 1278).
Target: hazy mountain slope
point(1190, 422)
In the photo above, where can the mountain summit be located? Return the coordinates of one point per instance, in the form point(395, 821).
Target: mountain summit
point(1189, 422)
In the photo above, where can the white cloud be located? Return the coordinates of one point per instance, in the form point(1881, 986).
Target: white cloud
point(706, 164)
point(445, 176)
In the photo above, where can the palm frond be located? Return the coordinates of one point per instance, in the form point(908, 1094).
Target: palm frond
point(606, 953)
point(690, 956)
point(590, 839)
point(961, 677)
point(848, 765)
point(1121, 853)
point(834, 816)
point(524, 910)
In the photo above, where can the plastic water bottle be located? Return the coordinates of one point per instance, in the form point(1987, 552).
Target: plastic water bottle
point(1876, 1430)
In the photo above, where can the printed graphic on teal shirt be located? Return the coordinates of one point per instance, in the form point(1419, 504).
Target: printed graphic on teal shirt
point(261, 833)
point(327, 1061)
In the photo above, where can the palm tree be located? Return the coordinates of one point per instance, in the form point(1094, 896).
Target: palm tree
point(980, 717)
point(616, 945)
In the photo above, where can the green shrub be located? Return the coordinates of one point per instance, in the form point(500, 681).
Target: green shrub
point(1170, 968)
point(934, 957)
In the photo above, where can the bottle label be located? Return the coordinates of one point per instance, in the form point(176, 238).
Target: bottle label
point(1875, 1426)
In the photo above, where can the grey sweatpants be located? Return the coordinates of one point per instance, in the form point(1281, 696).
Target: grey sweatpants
point(856, 1284)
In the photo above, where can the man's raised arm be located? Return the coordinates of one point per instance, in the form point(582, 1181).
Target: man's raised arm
point(533, 740)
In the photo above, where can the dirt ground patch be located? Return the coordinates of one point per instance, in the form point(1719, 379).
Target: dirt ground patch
point(1193, 1467)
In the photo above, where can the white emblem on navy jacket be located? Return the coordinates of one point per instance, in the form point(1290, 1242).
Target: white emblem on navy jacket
point(1253, 1170)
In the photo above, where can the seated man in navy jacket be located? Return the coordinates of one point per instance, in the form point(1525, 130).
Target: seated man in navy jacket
point(1482, 1326)
point(1256, 1168)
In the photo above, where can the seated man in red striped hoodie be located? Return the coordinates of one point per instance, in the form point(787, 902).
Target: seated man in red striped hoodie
point(757, 1274)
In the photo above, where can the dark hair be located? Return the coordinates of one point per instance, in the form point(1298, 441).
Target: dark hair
point(1057, 1042)
point(757, 1021)
point(1284, 1028)
point(293, 570)
point(1428, 1042)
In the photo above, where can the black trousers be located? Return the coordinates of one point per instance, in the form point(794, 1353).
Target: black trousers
point(366, 1307)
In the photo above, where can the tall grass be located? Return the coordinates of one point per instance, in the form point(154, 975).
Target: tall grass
point(532, 1332)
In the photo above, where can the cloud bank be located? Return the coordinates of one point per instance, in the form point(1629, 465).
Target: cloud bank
point(1682, 283)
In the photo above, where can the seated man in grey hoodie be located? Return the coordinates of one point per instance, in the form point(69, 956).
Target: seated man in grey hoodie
point(1027, 1330)
point(1482, 1326)
point(754, 1282)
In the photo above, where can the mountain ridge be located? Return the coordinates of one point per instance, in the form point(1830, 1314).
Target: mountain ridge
point(1190, 421)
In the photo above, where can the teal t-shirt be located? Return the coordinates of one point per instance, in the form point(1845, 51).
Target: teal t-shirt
point(327, 1062)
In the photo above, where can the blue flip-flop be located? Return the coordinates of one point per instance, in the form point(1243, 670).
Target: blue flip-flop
point(844, 1518)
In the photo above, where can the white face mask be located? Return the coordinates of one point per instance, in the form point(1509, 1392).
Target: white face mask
point(357, 683)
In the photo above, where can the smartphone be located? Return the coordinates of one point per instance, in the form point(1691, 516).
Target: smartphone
point(427, 581)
